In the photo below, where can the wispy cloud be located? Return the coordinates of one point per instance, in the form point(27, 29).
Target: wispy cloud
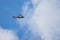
point(35, 2)
point(27, 12)
point(7, 34)
point(45, 19)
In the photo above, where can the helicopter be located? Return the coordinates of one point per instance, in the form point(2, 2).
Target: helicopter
point(18, 16)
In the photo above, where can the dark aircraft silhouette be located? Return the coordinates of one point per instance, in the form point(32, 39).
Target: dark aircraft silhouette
point(19, 16)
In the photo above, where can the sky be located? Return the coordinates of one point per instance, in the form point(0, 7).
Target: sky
point(41, 20)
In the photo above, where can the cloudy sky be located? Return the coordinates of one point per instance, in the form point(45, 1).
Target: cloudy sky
point(41, 20)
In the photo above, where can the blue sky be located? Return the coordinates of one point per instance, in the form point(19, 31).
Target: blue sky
point(9, 8)
point(41, 19)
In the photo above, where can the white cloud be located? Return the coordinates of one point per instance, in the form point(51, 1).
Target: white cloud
point(27, 11)
point(7, 34)
point(35, 2)
point(46, 20)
